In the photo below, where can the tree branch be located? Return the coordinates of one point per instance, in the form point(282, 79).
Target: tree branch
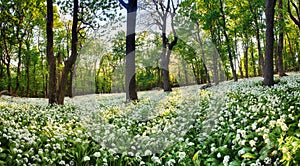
point(297, 22)
point(125, 5)
point(295, 6)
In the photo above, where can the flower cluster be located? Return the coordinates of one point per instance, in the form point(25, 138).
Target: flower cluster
point(234, 123)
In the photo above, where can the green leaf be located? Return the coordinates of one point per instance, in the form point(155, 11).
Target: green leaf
point(249, 156)
point(234, 163)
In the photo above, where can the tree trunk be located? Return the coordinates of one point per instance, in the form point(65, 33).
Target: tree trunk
point(6, 60)
point(130, 79)
point(9, 85)
point(240, 68)
point(50, 54)
point(280, 41)
point(72, 59)
point(253, 62)
point(246, 61)
point(18, 66)
point(28, 75)
point(131, 87)
point(228, 42)
point(269, 65)
point(70, 84)
point(164, 64)
point(257, 35)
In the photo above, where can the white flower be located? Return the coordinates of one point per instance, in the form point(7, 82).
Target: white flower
point(284, 127)
point(190, 144)
point(242, 142)
point(219, 155)
point(267, 160)
point(155, 160)
point(181, 155)
point(97, 154)
point(170, 162)
point(299, 124)
point(254, 126)
point(252, 143)
point(86, 158)
point(77, 140)
point(226, 160)
point(148, 152)
point(291, 117)
point(1, 150)
point(62, 162)
point(142, 163)
point(241, 152)
point(212, 149)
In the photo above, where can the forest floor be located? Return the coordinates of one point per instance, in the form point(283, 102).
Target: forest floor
point(234, 123)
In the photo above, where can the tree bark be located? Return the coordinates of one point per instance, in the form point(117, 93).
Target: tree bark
point(72, 59)
point(246, 61)
point(50, 54)
point(165, 65)
point(295, 20)
point(253, 61)
point(257, 35)
point(130, 79)
point(269, 65)
point(6, 60)
point(228, 42)
point(280, 41)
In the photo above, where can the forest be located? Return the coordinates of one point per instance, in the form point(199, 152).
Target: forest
point(150, 82)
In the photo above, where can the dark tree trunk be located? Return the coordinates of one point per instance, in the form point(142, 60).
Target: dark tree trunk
point(240, 68)
point(131, 87)
point(35, 84)
point(165, 65)
point(9, 85)
point(228, 42)
point(280, 41)
point(165, 10)
point(50, 54)
point(290, 46)
point(6, 60)
point(257, 35)
point(253, 62)
point(130, 84)
point(72, 59)
point(18, 66)
point(70, 84)
point(246, 61)
point(269, 65)
point(27, 66)
point(28, 74)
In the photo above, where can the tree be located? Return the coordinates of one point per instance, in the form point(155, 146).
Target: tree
point(254, 9)
point(131, 88)
point(227, 41)
point(280, 41)
point(269, 66)
point(50, 54)
point(165, 10)
point(297, 9)
point(72, 59)
point(81, 19)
